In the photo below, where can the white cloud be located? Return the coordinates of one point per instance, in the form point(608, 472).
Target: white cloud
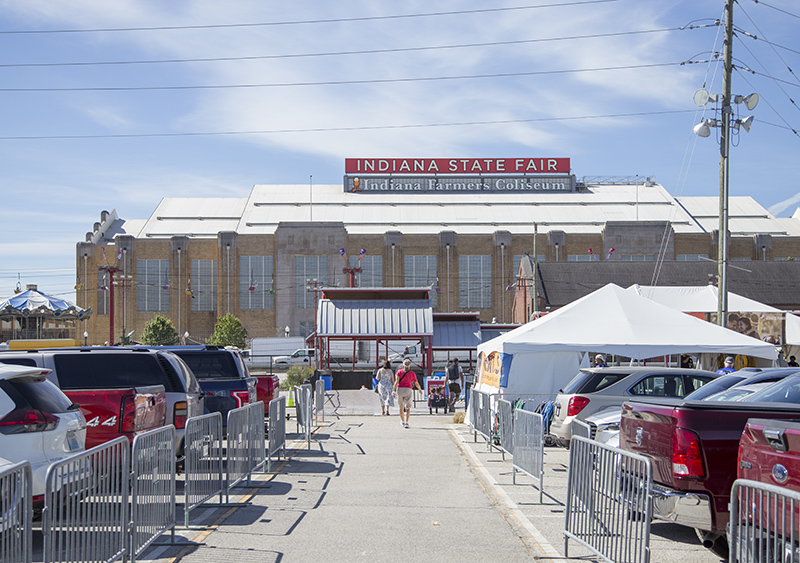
point(778, 208)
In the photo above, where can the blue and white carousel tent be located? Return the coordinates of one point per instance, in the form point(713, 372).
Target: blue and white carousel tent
point(34, 303)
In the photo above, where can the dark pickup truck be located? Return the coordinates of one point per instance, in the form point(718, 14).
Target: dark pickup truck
point(222, 375)
point(694, 446)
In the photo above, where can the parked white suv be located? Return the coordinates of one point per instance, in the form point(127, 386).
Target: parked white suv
point(597, 389)
point(38, 423)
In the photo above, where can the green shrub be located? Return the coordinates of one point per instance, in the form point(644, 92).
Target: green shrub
point(160, 332)
point(296, 376)
point(228, 331)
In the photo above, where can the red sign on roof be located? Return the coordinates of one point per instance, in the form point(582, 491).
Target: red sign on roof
point(457, 166)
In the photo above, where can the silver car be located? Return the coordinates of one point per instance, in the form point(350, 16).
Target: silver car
point(597, 389)
point(38, 423)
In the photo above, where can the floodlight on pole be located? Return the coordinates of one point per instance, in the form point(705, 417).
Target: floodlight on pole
point(726, 123)
point(703, 129)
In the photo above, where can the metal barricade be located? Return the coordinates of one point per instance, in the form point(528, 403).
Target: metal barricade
point(85, 515)
point(609, 502)
point(764, 523)
point(481, 415)
point(246, 446)
point(277, 430)
point(529, 448)
point(319, 401)
point(303, 406)
point(580, 428)
point(152, 488)
point(204, 477)
point(505, 426)
point(16, 514)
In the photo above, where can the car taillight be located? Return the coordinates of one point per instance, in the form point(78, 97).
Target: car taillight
point(687, 460)
point(20, 421)
point(576, 405)
point(180, 414)
point(128, 418)
point(242, 397)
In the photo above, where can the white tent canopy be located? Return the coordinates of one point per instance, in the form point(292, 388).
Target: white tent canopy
point(703, 299)
point(547, 352)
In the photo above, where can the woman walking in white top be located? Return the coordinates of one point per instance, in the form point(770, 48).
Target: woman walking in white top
point(385, 378)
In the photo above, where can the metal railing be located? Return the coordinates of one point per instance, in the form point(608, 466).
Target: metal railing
point(277, 430)
point(505, 426)
point(303, 410)
point(528, 448)
point(580, 428)
point(485, 417)
point(480, 415)
point(204, 477)
point(319, 401)
point(764, 523)
point(609, 502)
point(85, 515)
point(152, 488)
point(16, 514)
point(246, 444)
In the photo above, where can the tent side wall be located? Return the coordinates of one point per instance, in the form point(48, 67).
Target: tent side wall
point(540, 373)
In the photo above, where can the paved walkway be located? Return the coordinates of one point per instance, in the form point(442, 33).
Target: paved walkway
point(369, 489)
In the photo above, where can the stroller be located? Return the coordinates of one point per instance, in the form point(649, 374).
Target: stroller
point(437, 400)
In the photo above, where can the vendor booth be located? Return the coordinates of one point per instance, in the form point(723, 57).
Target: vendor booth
point(541, 356)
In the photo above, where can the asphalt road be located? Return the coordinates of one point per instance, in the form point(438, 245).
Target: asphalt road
point(371, 490)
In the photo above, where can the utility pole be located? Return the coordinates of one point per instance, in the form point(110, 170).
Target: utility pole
point(315, 286)
point(724, 168)
point(111, 270)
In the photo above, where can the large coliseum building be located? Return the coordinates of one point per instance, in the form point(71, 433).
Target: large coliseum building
point(462, 227)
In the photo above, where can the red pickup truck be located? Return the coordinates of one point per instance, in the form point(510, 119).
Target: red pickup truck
point(767, 527)
point(769, 452)
point(694, 446)
point(115, 395)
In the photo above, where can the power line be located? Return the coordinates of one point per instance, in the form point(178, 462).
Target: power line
point(336, 129)
point(307, 22)
point(342, 82)
point(349, 53)
point(776, 9)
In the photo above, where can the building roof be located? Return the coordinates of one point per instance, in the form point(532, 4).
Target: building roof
point(369, 319)
point(464, 335)
point(762, 281)
point(584, 211)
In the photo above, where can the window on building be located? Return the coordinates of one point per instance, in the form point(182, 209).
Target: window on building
point(637, 257)
point(255, 283)
point(371, 270)
point(102, 292)
point(204, 285)
point(691, 257)
point(420, 271)
point(740, 259)
point(475, 282)
point(308, 268)
point(152, 285)
point(583, 258)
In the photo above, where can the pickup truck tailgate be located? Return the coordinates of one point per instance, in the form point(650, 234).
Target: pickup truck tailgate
point(769, 452)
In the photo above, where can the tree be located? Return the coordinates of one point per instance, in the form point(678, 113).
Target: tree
point(160, 332)
point(296, 376)
point(229, 331)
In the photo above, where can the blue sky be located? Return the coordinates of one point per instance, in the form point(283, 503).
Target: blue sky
point(318, 81)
